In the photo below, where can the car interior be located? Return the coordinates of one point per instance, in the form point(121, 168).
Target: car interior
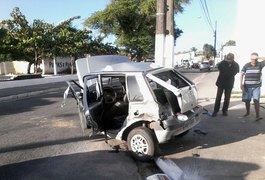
point(113, 103)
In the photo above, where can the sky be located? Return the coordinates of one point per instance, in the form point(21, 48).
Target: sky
point(52, 11)
point(196, 30)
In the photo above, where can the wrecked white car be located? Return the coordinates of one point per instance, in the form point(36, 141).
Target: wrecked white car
point(134, 102)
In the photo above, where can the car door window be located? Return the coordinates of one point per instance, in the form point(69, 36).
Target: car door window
point(134, 90)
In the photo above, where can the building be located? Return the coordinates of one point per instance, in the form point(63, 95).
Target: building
point(250, 34)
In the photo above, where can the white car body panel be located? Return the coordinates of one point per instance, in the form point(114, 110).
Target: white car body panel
point(147, 110)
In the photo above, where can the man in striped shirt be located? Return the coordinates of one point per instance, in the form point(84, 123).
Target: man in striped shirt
point(250, 81)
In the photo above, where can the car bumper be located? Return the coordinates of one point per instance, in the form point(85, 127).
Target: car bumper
point(172, 127)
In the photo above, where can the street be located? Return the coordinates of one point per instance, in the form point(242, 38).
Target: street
point(42, 140)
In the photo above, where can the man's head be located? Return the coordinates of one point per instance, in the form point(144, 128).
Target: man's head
point(230, 57)
point(254, 57)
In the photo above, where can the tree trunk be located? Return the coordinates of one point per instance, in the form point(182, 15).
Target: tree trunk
point(72, 64)
point(29, 65)
point(54, 66)
point(35, 60)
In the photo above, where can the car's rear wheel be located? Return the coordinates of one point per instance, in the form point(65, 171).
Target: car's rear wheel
point(142, 143)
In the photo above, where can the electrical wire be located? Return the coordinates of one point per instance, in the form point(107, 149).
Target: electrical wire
point(206, 13)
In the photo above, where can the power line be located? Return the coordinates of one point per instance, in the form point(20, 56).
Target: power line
point(206, 13)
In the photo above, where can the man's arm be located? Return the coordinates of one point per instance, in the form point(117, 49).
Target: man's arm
point(236, 68)
point(263, 61)
point(262, 58)
point(241, 80)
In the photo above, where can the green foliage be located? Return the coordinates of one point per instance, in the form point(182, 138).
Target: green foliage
point(194, 49)
point(21, 41)
point(133, 22)
point(208, 51)
point(229, 43)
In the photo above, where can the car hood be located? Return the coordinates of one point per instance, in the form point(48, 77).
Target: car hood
point(108, 63)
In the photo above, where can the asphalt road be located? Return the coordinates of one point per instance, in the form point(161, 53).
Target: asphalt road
point(41, 140)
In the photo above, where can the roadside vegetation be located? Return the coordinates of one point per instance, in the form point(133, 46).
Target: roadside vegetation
point(132, 23)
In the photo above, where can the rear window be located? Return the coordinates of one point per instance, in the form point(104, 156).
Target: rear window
point(173, 78)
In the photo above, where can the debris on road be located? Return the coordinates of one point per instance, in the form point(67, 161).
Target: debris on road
point(169, 168)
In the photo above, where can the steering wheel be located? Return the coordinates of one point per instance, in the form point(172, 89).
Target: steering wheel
point(109, 95)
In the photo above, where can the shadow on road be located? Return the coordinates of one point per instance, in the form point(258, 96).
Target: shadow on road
point(41, 144)
point(29, 104)
point(109, 165)
point(90, 165)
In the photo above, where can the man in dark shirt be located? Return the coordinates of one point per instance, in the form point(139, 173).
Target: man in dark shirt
point(228, 68)
point(250, 83)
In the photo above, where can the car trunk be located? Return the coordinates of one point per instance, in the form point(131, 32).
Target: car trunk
point(180, 93)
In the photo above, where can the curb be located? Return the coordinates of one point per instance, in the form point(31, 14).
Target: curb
point(29, 94)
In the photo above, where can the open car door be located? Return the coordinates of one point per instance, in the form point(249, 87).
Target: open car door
point(89, 101)
point(92, 101)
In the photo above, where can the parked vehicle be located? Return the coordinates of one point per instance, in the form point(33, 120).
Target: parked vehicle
point(134, 102)
point(205, 66)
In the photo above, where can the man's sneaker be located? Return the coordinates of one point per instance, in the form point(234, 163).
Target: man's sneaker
point(214, 114)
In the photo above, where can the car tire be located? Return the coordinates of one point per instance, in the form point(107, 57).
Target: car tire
point(142, 144)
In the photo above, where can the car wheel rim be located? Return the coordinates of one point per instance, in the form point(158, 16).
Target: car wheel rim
point(139, 144)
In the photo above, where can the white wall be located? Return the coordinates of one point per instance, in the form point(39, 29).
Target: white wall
point(15, 67)
point(20, 67)
point(250, 31)
point(62, 64)
point(182, 56)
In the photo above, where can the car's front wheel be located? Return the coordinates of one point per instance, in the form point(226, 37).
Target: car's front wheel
point(142, 143)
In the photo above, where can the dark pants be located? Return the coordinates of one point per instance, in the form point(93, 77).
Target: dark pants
point(227, 92)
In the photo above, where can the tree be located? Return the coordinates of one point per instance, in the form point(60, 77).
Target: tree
point(21, 41)
point(133, 23)
point(73, 42)
point(15, 31)
point(194, 49)
point(208, 51)
point(97, 47)
point(229, 43)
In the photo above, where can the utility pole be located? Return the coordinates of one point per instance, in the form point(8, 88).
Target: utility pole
point(214, 44)
point(164, 43)
point(169, 41)
point(160, 32)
